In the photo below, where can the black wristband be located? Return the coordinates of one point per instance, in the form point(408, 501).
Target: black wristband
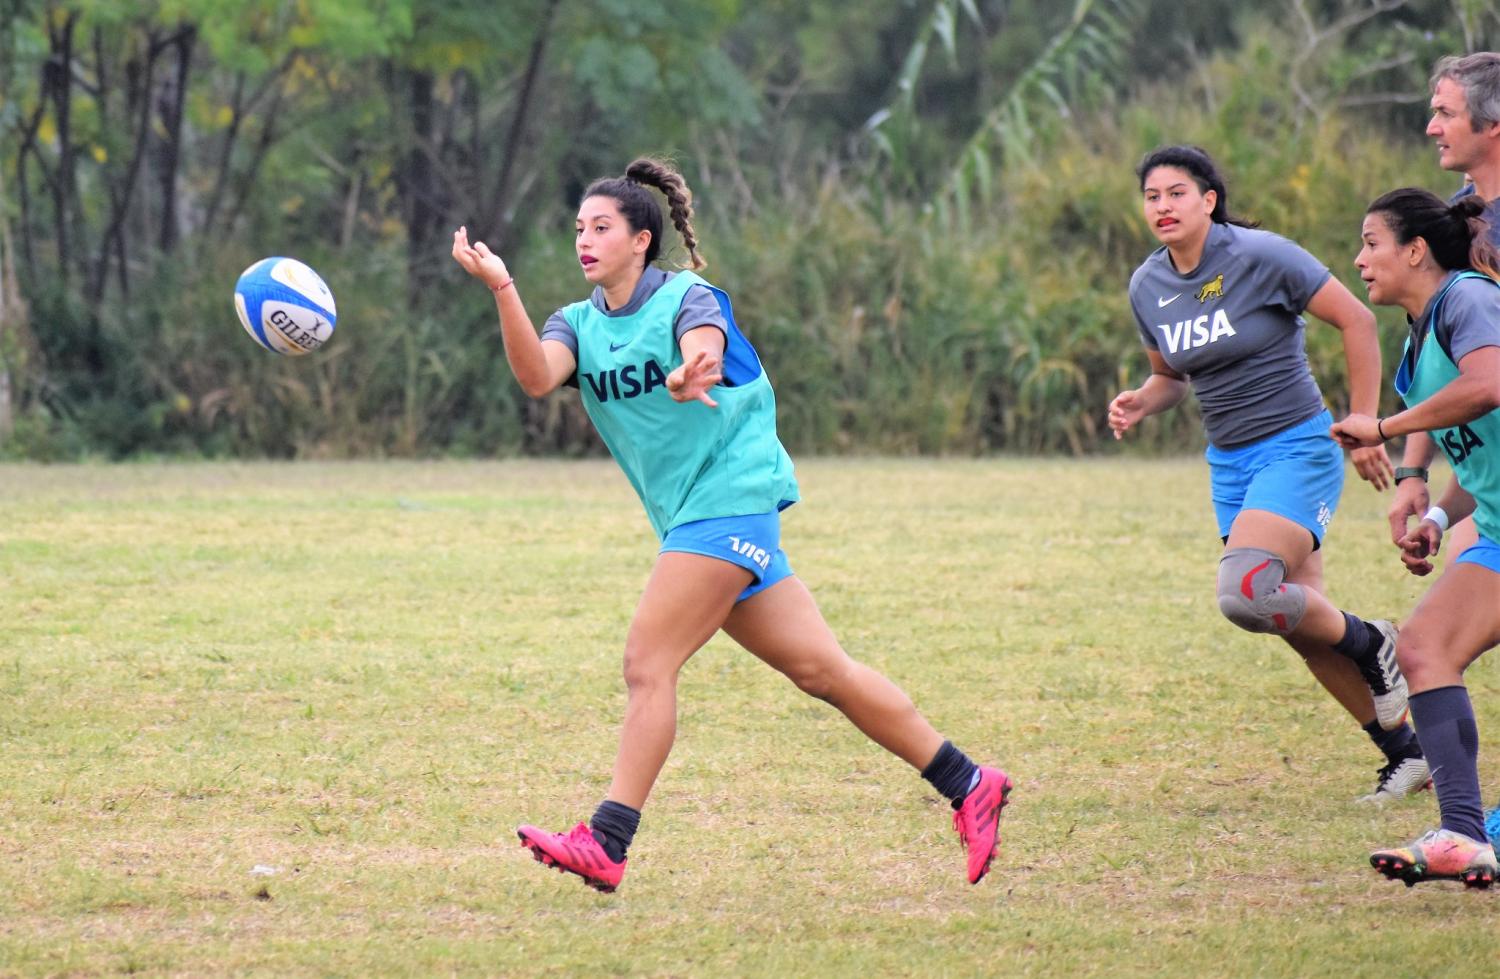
point(1380, 428)
point(1407, 472)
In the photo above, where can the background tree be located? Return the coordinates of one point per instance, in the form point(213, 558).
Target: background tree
point(924, 209)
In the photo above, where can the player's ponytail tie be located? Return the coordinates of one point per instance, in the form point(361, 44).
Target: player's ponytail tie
point(1468, 207)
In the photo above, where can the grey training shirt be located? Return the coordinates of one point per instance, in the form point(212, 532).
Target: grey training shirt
point(1233, 327)
point(699, 308)
point(1471, 317)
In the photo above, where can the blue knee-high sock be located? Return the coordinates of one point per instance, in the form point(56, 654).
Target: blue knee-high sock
point(1450, 739)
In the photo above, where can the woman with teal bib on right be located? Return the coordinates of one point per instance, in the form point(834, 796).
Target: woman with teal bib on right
point(1436, 262)
point(680, 398)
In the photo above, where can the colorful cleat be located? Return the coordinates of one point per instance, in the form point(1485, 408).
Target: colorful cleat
point(978, 819)
point(1383, 676)
point(1402, 776)
point(1440, 854)
point(576, 852)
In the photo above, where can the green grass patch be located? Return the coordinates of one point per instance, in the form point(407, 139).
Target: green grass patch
point(365, 675)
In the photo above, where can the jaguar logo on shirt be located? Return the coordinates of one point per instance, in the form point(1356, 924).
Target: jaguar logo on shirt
point(1212, 289)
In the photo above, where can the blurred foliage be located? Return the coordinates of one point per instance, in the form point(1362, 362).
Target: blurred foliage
point(925, 210)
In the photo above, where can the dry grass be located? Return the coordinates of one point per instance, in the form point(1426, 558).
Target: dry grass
point(365, 675)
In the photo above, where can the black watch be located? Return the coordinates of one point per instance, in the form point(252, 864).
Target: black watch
point(1406, 472)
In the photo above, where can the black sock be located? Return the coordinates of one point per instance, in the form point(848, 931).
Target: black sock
point(614, 825)
point(1361, 639)
point(1395, 745)
point(1450, 740)
point(951, 773)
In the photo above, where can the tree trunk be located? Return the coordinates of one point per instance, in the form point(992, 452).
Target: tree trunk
point(252, 172)
point(15, 333)
point(59, 84)
point(173, 100)
point(416, 178)
point(226, 154)
point(504, 208)
point(138, 82)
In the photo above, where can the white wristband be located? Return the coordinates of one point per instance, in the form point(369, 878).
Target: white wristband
point(1438, 516)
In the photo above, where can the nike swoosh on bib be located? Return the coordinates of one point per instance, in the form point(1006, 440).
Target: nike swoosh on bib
point(617, 347)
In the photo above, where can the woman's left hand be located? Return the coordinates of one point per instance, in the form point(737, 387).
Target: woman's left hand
point(1419, 545)
point(1374, 466)
point(1357, 431)
point(691, 381)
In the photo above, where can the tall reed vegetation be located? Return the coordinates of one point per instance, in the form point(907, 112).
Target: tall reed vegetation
point(993, 320)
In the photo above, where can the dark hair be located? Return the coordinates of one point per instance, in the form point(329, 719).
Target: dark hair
point(640, 209)
point(1457, 234)
point(1196, 162)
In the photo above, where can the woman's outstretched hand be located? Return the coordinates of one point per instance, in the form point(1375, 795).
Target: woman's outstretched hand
point(478, 260)
point(691, 381)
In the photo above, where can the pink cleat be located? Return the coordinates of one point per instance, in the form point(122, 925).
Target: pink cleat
point(576, 852)
point(1439, 854)
point(978, 820)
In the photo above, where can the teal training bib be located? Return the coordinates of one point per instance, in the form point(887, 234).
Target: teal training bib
point(686, 461)
point(1473, 448)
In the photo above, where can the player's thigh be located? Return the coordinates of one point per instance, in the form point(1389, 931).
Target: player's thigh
point(1309, 574)
point(784, 627)
point(1454, 623)
point(687, 599)
point(1280, 535)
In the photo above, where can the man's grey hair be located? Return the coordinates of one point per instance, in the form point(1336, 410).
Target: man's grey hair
point(1479, 74)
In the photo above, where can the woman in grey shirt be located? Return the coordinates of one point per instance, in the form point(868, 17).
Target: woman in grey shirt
point(1219, 309)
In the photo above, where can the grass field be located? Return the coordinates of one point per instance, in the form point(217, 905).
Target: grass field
point(357, 679)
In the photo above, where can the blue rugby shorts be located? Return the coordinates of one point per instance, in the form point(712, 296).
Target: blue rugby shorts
point(1483, 552)
point(753, 542)
point(1298, 473)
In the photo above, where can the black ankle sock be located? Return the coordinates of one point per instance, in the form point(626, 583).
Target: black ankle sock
point(614, 825)
point(1361, 639)
point(1397, 744)
point(951, 773)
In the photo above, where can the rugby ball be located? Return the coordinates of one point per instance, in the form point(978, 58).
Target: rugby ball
point(285, 306)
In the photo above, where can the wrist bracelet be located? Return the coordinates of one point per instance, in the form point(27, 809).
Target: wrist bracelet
point(1438, 516)
point(1380, 428)
point(508, 282)
point(1409, 472)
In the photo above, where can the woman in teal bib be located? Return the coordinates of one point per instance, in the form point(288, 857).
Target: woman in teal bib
point(679, 396)
point(1435, 261)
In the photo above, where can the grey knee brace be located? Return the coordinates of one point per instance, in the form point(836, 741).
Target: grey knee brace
point(1253, 593)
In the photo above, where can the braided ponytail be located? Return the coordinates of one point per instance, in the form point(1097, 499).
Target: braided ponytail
point(662, 176)
point(639, 207)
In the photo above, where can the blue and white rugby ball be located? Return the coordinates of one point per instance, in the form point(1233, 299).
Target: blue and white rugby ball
point(285, 306)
